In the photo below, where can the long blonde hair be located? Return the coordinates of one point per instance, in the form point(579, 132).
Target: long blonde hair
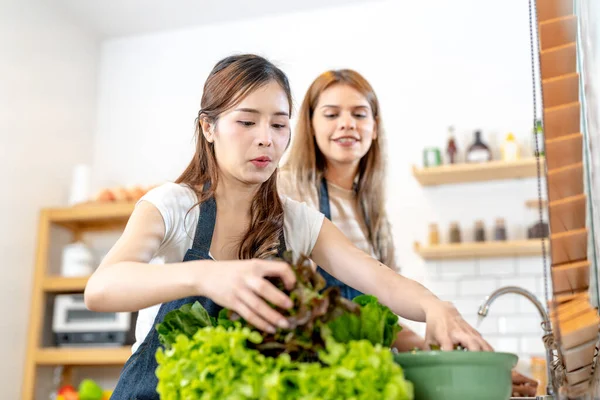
point(229, 82)
point(307, 164)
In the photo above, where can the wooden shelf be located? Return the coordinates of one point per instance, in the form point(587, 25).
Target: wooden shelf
point(535, 204)
point(82, 356)
point(531, 247)
point(91, 216)
point(60, 284)
point(466, 172)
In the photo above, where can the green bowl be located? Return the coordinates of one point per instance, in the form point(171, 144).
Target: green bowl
point(459, 375)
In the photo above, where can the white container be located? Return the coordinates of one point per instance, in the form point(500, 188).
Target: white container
point(77, 260)
point(510, 149)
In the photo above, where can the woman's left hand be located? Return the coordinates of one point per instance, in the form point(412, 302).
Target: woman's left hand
point(447, 328)
point(523, 386)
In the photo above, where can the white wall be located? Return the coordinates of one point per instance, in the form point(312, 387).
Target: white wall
point(433, 63)
point(47, 109)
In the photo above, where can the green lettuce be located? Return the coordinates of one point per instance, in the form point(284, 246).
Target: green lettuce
point(184, 321)
point(217, 363)
point(376, 323)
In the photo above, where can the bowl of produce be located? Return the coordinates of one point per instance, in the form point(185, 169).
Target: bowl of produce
point(333, 349)
point(458, 375)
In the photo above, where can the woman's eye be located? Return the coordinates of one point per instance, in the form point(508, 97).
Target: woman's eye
point(279, 126)
point(360, 116)
point(246, 123)
point(330, 116)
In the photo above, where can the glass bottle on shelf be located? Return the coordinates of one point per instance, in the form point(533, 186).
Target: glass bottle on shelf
point(478, 152)
point(434, 235)
point(455, 236)
point(510, 148)
point(451, 149)
point(479, 231)
point(536, 229)
point(500, 230)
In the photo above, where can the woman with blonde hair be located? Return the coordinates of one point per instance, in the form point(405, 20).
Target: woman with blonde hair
point(337, 165)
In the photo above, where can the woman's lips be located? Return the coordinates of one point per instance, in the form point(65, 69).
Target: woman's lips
point(261, 162)
point(346, 141)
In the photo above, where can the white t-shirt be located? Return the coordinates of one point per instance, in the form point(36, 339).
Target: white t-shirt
point(345, 211)
point(302, 225)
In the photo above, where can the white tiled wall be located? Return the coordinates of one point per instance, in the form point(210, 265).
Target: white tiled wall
point(513, 323)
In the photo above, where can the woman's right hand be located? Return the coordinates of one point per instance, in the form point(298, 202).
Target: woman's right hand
point(242, 286)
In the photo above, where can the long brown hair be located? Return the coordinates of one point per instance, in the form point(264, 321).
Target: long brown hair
point(307, 164)
point(232, 79)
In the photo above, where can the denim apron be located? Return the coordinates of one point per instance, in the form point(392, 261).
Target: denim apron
point(324, 206)
point(138, 379)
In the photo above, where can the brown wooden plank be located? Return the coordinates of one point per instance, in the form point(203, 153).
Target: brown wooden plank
point(551, 9)
point(558, 32)
point(562, 120)
point(564, 151)
point(561, 90)
point(558, 61)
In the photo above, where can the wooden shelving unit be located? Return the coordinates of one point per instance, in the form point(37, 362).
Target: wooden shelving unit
point(83, 356)
point(514, 248)
point(78, 219)
point(535, 204)
point(91, 217)
point(59, 284)
point(464, 173)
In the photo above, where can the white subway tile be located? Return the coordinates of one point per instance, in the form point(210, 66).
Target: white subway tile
point(497, 266)
point(477, 286)
point(485, 326)
point(506, 304)
point(528, 283)
point(431, 267)
point(530, 265)
point(532, 345)
point(527, 307)
point(520, 324)
point(504, 344)
point(444, 289)
point(457, 268)
point(468, 305)
point(540, 286)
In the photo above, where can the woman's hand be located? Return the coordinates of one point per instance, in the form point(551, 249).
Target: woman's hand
point(446, 328)
point(242, 286)
point(523, 386)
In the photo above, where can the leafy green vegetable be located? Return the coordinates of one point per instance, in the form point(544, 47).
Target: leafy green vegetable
point(376, 323)
point(225, 358)
point(216, 363)
point(185, 320)
point(312, 308)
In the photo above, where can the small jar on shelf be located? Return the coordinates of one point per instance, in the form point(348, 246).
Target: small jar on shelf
point(454, 234)
point(434, 235)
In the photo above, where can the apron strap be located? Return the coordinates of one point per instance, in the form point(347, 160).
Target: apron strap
point(206, 227)
point(206, 224)
point(324, 199)
point(325, 207)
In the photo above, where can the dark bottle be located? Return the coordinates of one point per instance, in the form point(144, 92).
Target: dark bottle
point(479, 231)
point(538, 231)
point(454, 233)
point(451, 149)
point(478, 152)
point(500, 230)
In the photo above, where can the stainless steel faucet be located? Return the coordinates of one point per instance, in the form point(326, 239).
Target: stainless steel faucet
point(546, 326)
